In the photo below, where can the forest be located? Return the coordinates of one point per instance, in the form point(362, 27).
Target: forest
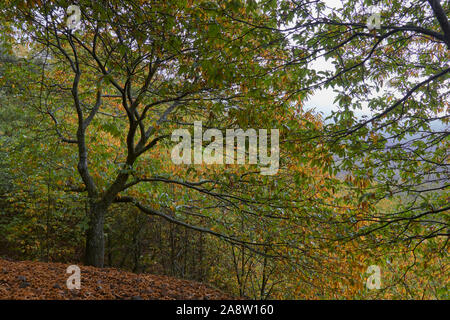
point(225, 149)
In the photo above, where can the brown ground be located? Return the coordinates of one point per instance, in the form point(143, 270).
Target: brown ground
point(38, 280)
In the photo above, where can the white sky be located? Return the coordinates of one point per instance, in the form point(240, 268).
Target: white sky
point(323, 100)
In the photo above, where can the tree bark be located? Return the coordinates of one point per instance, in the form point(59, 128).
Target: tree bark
point(95, 244)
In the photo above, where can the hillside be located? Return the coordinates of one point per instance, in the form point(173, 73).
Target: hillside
point(39, 280)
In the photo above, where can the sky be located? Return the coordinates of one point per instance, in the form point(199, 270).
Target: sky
point(323, 100)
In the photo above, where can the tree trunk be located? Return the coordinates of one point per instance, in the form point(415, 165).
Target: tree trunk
point(95, 244)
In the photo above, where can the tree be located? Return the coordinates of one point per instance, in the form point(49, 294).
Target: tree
point(155, 64)
point(399, 72)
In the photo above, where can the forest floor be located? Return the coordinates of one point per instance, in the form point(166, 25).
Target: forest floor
point(39, 280)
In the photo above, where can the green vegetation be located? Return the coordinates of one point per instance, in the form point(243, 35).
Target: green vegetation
point(86, 118)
